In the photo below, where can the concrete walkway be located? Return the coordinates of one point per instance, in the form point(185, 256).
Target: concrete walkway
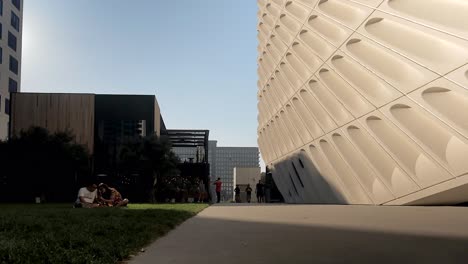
point(316, 234)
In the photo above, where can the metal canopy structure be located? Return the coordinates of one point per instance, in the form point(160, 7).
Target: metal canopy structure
point(191, 146)
point(188, 138)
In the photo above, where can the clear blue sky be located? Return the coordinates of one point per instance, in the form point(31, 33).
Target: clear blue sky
point(197, 56)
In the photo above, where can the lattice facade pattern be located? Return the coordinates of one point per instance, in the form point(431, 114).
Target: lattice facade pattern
point(365, 101)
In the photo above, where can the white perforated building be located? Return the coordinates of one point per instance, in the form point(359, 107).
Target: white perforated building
point(365, 101)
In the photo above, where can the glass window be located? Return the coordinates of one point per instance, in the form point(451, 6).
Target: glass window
point(13, 65)
point(16, 3)
point(12, 86)
point(11, 41)
point(15, 21)
point(7, 106)
point(1, 7)
point(1, 55)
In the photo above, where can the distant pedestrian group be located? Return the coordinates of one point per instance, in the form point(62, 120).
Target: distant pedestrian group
point(259, 190)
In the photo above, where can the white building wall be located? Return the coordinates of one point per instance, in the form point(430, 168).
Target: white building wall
point(6, 52)
point(244, 177)
point(365, 101)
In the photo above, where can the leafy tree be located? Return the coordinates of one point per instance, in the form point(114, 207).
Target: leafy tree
point(38, 163)
point(152, 159)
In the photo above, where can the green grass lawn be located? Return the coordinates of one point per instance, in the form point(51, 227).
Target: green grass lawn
point(61, 234)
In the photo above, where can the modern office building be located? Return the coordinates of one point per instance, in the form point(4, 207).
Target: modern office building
point(364, 101)
point(11, 23)
point(102, 123)
point(119, 119)
point(223, 162)
point(212, 145)
point(93, 119)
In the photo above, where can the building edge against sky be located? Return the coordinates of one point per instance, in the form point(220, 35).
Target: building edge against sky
point(366, 101)
point(11, 28)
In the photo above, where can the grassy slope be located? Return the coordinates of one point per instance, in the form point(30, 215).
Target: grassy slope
point(61, 234)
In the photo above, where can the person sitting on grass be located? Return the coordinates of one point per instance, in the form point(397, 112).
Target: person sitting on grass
point(87, 197)
point(110, 196)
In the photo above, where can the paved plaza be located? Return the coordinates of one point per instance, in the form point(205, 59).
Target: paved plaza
point(315, 234)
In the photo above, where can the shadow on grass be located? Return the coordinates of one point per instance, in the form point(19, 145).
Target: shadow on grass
point(61, 234)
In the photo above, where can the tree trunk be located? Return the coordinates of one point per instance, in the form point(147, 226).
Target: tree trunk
point(154, 188)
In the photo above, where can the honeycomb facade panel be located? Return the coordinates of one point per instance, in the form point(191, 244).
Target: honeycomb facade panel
point(375, 90)
point(364, 101)
point(459, 76)
point(444, 15)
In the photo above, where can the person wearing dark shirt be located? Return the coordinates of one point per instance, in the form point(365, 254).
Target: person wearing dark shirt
point(248, 190)
point(259, 192)
point(218, 184)
point(237, 191)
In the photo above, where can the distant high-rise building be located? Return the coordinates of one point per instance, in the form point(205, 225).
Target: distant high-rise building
point(11, 22)
point(212, 145)
point(364, 101)
point(223, 160)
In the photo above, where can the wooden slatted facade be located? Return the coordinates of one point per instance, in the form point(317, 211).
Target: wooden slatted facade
point(56, 112)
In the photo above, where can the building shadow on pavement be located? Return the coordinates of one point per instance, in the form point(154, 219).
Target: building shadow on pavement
point(209, 240)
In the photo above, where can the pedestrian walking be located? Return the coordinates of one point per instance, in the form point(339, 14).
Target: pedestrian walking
point(259, 190)
point(237, 191)
point(201, 191)
point(218, 184)
point(248, 190)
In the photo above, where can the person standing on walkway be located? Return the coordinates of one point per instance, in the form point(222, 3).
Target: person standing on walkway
point(201, 191)
point(218, 184)
point(248, 190)
point(259, 191)
point(237, 191)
